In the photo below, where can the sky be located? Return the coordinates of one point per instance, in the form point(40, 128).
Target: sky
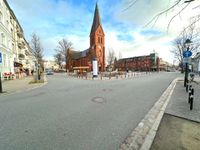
point(124, 26)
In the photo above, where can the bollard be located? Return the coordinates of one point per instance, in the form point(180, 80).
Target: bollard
point(187, 86)
point(191, 102)
point(190, 87)
point(189, 94)
point(191, 98)
point(192, 91)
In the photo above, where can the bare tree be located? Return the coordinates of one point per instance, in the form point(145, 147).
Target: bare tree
point(190, 33)
point(58, 58)
point(64, 48)
point(110, 57)
point(37, 49)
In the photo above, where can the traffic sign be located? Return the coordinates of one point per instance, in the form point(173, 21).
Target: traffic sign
point(0, 57)
point(187, 54)
point(186, 60)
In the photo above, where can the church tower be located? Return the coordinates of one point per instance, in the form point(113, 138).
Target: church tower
point(97, 41)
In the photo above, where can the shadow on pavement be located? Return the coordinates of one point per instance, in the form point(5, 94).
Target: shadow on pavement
point(176, 133)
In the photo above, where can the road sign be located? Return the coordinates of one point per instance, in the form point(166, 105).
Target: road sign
point(187, 54)
point(0, 57)
point(186, 60)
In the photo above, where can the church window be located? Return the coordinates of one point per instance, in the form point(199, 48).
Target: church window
point(99, 40)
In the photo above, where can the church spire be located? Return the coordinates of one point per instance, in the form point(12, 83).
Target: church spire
point(96, 20)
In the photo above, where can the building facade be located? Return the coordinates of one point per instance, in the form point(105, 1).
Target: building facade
point(82, 61)
point(141, 63)
point(196, 63)
point(16, 54)
point(6, 39)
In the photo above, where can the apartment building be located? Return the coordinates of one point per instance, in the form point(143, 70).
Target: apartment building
point(140, 63)
point(16, 53)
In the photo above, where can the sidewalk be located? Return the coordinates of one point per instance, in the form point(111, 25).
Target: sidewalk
point(18, 85)
point(180, 126)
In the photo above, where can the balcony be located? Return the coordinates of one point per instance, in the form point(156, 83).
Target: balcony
point(21, 56)
point(19, 33)
point(19, 45)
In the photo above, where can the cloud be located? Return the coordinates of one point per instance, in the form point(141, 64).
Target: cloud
point(143, 11)
point(53, 20)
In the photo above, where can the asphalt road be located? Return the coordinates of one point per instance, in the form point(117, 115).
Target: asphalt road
point(75, 114)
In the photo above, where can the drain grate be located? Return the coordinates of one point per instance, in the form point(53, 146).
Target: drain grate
point(99, 99)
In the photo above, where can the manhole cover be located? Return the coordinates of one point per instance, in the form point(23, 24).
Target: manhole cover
point(106, 90)
point(99, 100)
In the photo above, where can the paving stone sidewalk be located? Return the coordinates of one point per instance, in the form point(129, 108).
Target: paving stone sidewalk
point(19, 85)
point(179, 106)
point(180, 126)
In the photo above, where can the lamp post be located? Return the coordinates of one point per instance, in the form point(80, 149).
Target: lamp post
point(187, 44)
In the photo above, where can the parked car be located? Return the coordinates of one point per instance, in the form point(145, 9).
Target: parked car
point(49, 72)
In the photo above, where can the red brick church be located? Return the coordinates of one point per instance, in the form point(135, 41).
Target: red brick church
point(82, 61)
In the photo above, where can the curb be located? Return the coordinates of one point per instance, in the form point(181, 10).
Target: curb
point(143, 135)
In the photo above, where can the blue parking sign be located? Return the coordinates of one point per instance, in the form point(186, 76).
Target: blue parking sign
point(0, 58)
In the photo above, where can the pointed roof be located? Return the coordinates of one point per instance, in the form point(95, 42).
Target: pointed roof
point(96, 20)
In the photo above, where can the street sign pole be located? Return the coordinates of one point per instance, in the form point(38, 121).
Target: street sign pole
point(186, 74)
point(186, 54)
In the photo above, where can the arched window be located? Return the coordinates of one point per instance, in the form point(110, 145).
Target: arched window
point(99, 40)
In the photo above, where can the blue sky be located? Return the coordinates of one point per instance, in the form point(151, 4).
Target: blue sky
point(53, 20)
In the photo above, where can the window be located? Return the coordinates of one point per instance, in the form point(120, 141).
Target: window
point(1, 17)
point(12, 33)
point(4, 59)
point(7, 23)
point(99, 40)
point(2, 38)
point(8, 44)
point(13, 47)
point(11, 20)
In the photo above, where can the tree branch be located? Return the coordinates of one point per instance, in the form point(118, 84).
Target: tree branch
point(162, 12)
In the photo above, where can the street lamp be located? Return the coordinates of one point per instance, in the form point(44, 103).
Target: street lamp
point(187, 45)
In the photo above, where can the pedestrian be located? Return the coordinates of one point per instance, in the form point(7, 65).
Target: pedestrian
point(32, 72)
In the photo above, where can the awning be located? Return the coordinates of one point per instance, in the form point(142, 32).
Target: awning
point(16, 64)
